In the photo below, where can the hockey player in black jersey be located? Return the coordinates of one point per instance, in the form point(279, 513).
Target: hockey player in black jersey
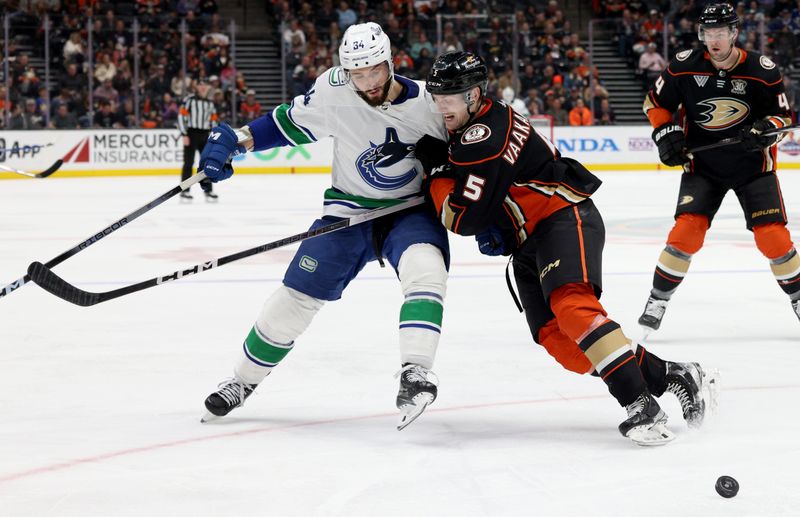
point(718, 92)
point(498, 179)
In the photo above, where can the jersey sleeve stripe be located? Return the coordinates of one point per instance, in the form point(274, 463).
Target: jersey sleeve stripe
point(292, 133)
point(306, 130)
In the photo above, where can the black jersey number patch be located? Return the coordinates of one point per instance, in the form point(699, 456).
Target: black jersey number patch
point(473, 189)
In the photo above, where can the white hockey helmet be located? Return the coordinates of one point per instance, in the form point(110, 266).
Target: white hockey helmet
point(364, 45)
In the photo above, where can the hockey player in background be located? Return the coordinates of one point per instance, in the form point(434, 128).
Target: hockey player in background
point(496, 178)
point(374, 117)
point(724, 92)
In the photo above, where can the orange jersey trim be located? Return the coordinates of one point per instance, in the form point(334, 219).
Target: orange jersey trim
point(580, 243)
point(439, 190)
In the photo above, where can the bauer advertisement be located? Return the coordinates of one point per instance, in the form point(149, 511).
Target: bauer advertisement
point(151, 152)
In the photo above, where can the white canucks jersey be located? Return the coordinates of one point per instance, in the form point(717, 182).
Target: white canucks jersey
point(373, 147)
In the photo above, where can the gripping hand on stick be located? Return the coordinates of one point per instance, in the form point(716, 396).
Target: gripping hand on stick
point(671, 144)
point(753, 138)
point(222, 145)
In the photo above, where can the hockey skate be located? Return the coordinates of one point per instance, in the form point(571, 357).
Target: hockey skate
point(418, 389)
point(653, 313)
point(646, 423)
point(796, 307)
point(231, 394)
point(186, 197)
point(695, 388)
point(211, 197)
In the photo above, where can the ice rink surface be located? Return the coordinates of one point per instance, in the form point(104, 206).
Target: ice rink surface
point(100, 406)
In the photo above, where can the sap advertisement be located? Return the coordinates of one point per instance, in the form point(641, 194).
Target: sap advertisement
point(151, 152)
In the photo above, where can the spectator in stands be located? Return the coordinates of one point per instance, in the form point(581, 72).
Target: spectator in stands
point(423, 63)
point(651, 64)
point(169, 111)
point(73, 80)
point(293, 37)
point(580, 115)
point(403, 64)
point(605, 115)
point(105, 68)
point(106, 117)
point(346, 16)
point(222, 104)
point(27, 119)
point(106, 92)
point(64, 119)
point(555, 110)
point(653, 26)
point(421, 43)
point(533, 98)
point(127, 114)
point(250, 108)
point(158, 84)
point(180, 84)
point(74, 49)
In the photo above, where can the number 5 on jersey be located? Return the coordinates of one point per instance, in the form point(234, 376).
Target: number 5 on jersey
point(473, 189)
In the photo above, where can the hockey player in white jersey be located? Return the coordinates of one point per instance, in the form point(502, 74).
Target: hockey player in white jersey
point(375, 118)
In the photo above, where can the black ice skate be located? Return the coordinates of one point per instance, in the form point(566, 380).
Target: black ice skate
point(211, 197)
point(695, 388)
point(646, 423)
point(231, 394)
point(653, 313)
point(418, 389)
point(186, 197)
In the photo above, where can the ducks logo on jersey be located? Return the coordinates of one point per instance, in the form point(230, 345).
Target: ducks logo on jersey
point(385, 166)
point(722, 113)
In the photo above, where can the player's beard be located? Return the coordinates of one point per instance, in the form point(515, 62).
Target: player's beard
point(379, 100)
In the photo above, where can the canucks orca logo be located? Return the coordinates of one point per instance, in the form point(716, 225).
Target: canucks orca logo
point(376, 164)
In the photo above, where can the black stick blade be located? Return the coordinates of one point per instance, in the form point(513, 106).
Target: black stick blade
point(53, 168)
point(57, 286)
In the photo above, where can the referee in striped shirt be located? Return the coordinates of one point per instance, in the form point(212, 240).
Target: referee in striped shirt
point(196, 118)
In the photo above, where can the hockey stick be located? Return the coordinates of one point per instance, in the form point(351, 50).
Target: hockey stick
point(738, 140)
point(13, 286)
point(45, 173)
point(49, 281)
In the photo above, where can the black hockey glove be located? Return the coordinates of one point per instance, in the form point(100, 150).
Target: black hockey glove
point(753, 138)
point(431, 152)
point(671, 144)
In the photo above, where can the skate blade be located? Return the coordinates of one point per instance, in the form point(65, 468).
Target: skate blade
point(410, 412)
point(711, 389)
point(212, 200)
point(184, 201)
point(651, 436)
point(646, 331)
point(209, 417)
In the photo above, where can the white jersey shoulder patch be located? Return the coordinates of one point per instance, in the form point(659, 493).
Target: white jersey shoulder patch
point(766, 62)
point(683, 55)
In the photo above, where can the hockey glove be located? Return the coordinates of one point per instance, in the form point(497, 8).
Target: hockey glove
point(431, 152)
point(490, 242)
point(222, 145)
point(671, 144)
point(753, 138)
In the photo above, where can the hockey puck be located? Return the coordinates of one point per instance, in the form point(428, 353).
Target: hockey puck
point(727, 487)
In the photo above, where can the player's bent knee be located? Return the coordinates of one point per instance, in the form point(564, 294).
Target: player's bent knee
point(773, 240)
point(422, 268)
point(688, 233)
point(287, 313)
point(576, 308)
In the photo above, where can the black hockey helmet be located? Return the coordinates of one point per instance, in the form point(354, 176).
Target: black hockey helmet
point(457, 72)
point(719, 15)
